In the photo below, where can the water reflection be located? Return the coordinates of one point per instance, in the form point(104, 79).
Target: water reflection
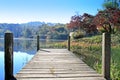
point(21, 45)
point(24, 50)
point(20, 59)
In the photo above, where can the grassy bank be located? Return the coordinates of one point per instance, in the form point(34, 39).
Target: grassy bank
point(90, 51)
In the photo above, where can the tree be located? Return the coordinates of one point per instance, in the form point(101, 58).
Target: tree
point(88, 26)
point(108, 19)
point(75, 23)
point(111, 4)
point(27, 33)
point(84, 23)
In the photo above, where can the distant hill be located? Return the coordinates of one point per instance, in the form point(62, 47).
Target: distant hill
point(14, 28)
point(37, 23)
point(31, 29)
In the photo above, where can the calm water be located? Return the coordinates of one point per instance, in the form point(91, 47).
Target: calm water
point(20, 59)
point(24, 50)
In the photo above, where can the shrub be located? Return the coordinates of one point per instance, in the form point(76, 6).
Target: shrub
point(78, 34)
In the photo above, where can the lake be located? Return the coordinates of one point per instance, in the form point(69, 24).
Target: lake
point(24, 50)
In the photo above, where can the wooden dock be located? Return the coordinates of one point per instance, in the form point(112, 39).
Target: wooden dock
point(57, 64)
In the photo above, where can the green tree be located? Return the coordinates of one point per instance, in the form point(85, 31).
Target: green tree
point(111, 4)
point(27, 33)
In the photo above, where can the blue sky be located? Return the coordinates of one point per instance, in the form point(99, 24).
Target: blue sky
point(57, 11)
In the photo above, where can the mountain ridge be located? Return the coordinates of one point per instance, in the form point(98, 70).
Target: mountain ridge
point(28, 29)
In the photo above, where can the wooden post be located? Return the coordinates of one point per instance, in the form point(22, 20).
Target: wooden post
point(8, 56)
point(69, 43)
point(38, 44)
point(106, 55)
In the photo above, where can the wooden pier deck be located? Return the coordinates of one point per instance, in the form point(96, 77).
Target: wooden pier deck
point(57, 64)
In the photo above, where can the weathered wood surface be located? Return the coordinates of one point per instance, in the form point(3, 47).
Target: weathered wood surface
point(8, 56)
point(106, 55)
point(57, 64)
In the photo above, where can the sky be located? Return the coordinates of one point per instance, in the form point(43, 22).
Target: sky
point(55, 11)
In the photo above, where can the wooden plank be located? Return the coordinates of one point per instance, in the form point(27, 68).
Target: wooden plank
point(52, 75)
point(57, 64)
point(57, 72)
point(77, 78)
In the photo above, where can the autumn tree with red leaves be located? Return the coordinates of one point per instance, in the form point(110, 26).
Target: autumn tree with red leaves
point(84, 23)
point(88, 24)
point(75, 23)
point(108, 20)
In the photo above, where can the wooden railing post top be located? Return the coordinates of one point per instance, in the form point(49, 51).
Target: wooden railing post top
point(106, 33)
point(8, 34)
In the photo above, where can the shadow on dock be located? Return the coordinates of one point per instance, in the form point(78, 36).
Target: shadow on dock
point(44, 50)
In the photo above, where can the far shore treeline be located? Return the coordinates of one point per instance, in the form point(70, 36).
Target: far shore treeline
point(32, 29)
